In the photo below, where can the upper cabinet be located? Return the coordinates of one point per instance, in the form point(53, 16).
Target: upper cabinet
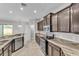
point(63, 20)
point(48, 19)
point(54, 23)
point(66, 20)
point(75, 18)
point(45, 22)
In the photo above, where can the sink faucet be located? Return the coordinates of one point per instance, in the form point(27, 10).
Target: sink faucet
point(50, 37)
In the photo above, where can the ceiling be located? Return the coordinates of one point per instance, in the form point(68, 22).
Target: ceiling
point(27, 14)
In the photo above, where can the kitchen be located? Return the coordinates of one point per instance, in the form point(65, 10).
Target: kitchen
point(57, 33)
point(53, 28)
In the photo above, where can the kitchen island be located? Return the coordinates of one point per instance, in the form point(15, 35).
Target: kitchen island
point(11, 43)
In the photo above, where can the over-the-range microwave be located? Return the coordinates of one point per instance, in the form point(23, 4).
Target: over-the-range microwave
point(46, 28)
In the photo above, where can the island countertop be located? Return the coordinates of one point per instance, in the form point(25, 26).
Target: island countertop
point(7, 40)
point(69, 48)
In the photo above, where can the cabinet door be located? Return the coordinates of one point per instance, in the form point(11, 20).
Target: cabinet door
point(38, 26)
point(56, 50)
point(45, 21)
point(53, 50)
point(62, 53)
point(75, 18)
point(48, 19)
point(7, 50)
point(37, 39)
point(49, 50)
point(63, 20)
point(54, 23)
point(0, 52)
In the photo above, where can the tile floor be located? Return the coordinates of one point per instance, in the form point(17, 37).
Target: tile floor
point(30, 49)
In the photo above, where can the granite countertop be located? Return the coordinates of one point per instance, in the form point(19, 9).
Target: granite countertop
point(6, 40)
point(69, 48)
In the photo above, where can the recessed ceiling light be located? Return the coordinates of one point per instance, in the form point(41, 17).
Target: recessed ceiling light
point(35, 11)
point(19, 25)
point(10, 12)
point(21, 8)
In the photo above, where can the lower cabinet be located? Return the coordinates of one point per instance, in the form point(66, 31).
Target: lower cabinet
point(6, 51)
point(0, 52)
point(54, 50)
point(42, 42)
point(62, 54)
point(12, 46)
point(49, 50)
point(37, 39)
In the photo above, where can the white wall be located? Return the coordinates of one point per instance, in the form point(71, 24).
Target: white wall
point(24, 29)
point(33, 31)
point(15, 24)
point(27, 32)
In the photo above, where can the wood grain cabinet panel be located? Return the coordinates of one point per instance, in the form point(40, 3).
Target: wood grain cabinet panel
point(48, 19)
point(75, 18)
point(49, 50)
point(37, 40)
point(63, 20)
point(53, 50)
point(54, 23)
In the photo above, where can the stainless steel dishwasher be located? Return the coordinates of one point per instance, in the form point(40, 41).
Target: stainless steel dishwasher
point(43, 45)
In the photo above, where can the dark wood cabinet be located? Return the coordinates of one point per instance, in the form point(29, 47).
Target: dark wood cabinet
point(63, 20)
point(0, 52)
point(50, 50)
point(46, 21)
point(62, 53)
point(38, 26)
point(6, 50)
point(75, 18)
point(54, 23)
point(42, 42)
point(54, 50)
point(66, 20)
point(37, 38)
point(12, 46)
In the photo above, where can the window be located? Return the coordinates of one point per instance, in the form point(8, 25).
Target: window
point(1, 31)
point(6, 30)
